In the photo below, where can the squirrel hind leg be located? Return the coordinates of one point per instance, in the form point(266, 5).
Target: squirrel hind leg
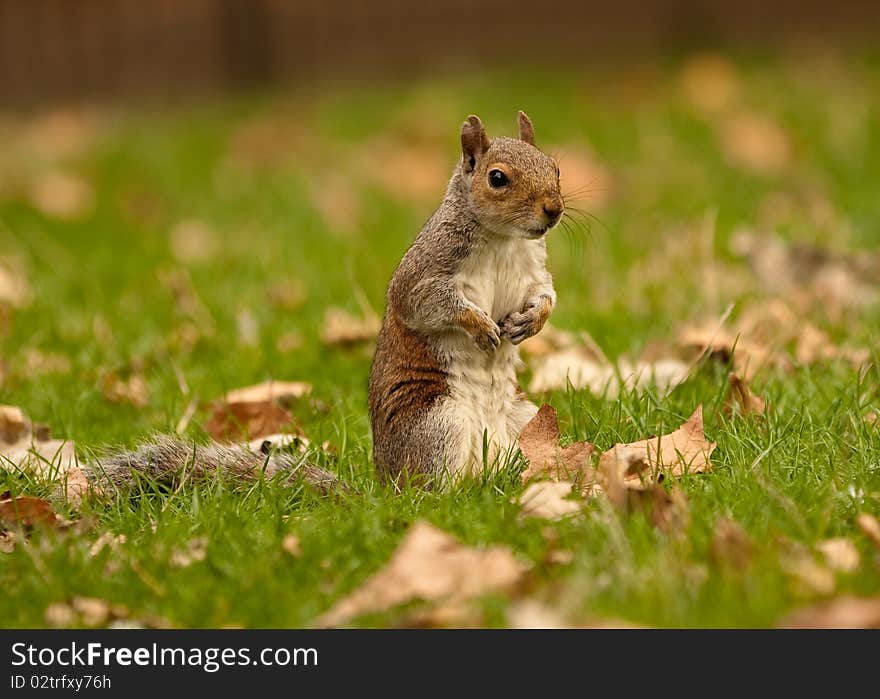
point(421, 454)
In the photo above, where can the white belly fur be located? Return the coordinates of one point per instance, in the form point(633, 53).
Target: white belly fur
point(500, 276)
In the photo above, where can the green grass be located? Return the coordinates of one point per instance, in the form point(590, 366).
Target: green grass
point(248, 168)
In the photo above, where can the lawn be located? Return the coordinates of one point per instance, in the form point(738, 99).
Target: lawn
point(164, 255)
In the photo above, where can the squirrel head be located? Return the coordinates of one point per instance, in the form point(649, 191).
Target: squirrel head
point(513, 187)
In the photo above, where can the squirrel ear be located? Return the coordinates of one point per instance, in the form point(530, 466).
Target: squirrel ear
point(526, 130)
point(474, 141)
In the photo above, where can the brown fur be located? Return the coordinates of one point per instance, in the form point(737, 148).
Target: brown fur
point(409, 374)
point(526, 130)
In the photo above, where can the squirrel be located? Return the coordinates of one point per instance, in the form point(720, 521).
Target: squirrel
point(472, 286)
point(442, 385)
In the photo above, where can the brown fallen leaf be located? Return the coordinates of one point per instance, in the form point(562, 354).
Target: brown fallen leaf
point(30, 448)
point(247, 328)
point(741, 400)
point(287, 294)
point(840, 554)
point(237, 422)
point(754, 142)
point(539, 442)
point(14, 288)
point(193, 241)
point(808, 276)
point(560, 361)
point(551, 339)
point(133, 390)
point(62, 195)
point(7, 541)
point(841, 613)
point(107, 540)
point(195, 551)
point(291, 545)
point(284, 392)
point(548, 500)
point(27, 512)
point(446, 615)
point(429, 565)
point(731, 545)
point(709, 83)
point(37, 363)
point(531, 614)
point(84, 611)
point(342, 328)
point(870, 527)
point(810, 577)
point(747, 355)
point(686, 450)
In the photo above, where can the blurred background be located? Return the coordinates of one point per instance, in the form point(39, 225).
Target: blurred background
point(62, 49)
point(199, 195)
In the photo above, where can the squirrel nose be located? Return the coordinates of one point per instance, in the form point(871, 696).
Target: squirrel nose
point(553, 209)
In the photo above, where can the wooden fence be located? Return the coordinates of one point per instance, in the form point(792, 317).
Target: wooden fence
point(70, 49)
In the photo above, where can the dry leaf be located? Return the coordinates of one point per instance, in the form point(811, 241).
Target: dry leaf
point(840, 554)
point(686, 450)
point(84, 611)
point(285, 392)
point(27, 512)
point(755, 143)
point(531, 614)
point(539, 442)
point(195, 551)
point(579, 367)
point(337, 200)
point(247, 329)
point(810, 577)
point(291, 545)
point(731, 545)
point(747, 356)
point(193, 242)
point(237, 422)
point(114, 541)
point(62, 195)
point(740, 398)
point(287, 294)
point(28, 447)
point(870, 527)
point(14, 289)
point(14, 425)
point(133, 390)
point(808, 276)
point(7, 541)
point(342, 328)
point(548, 500)
point(840, 613)
point(429, 565)
point(37, 363)
point(709, 83)
point(551, 339)
point(59, 615)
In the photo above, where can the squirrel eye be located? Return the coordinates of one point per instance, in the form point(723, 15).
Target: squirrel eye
point(497, 178)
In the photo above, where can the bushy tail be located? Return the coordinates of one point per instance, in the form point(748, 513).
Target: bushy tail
point(170, 460)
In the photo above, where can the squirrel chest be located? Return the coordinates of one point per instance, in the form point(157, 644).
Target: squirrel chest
point(498, 273)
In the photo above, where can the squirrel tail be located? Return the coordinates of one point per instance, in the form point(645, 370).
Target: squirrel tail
point(171, 461)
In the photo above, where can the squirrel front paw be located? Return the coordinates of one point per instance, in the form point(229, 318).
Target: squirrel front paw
point(481, 328)
point(521, 325)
